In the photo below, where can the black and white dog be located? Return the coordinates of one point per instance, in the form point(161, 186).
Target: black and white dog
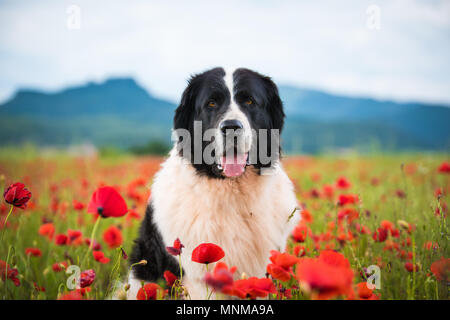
point(216, 191)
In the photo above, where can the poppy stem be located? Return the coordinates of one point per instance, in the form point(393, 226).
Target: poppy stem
point(91, 244)
point(6, 220)
point(207, 292)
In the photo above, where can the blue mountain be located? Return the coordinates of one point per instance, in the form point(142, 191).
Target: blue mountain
point(120, 112)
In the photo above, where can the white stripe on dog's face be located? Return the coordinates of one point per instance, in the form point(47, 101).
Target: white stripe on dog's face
point(234, 113)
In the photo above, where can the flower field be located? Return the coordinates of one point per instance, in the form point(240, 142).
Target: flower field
point(68, 223)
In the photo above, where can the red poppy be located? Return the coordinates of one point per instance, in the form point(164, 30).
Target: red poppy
point(380, 235)
point(343, 183)
point(113, 237)
point(61, 240)
point(77, 205)
point(221, 278)
point(281, 266)
point(86, 278)
point(38, 288)
point(100, 257)
point(400, 193)
point(251, 288)
point(444, 167)
point(170, 278)
point(176, 249)
point(409, 266)
point(300, 233)
point(148, 292)
point(347, 199)
point(47, 230)
point(107, 202)
point(35, 252)
point(75, 236)
point(95, 246)
point(327, 191)
point(306, 216)
point(327, 276)
point(441, 269)
point(431, 245)
point(299, 251)
point(17, 195)
point(6, 272)
point(207, 253)
point(78, 294)
point(365, 293)
point(59, 266)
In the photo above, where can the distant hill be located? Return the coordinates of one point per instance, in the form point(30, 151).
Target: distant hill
point(121, 113)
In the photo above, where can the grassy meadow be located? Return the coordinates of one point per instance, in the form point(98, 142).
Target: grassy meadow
point(383, 210)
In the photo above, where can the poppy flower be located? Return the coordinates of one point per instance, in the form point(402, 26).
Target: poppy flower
point(299, 251)
point(170, 278)
point(38, 288)
point(441, 269)
point(95, 246)
point(327, 276)
point(47, 230)
point(328, 191)
point(345, 199)
point(107, 202)
point(148, 292)
point(251, 288)
point(100, 257)
point(6, 272)
point(221, 277)
point(444, 167)
point(86, 278)
point(364, 293)
point(35, 252)
point(113, 237)
point(77, 205)
point(380, 235)
point(343, 183)
point(78, 294)
point(176, 249)
point(59, 266)
point(61, 240)
point(75, 236)
point(306, 216)
point(300, 233)
point(17, 195)
point(281, 265)
point(409, 266)
point(207, 253)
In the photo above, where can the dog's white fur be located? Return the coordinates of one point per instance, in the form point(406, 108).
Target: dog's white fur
point(247, 217)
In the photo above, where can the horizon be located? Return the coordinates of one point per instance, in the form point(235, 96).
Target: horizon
point(175, 102)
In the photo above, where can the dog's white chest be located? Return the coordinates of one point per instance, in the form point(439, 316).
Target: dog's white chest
point(246, 217)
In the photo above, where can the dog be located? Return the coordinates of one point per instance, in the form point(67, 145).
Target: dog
point(234, 199)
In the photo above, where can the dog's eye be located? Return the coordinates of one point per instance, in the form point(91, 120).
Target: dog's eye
point(249, 101)
point(212, 104)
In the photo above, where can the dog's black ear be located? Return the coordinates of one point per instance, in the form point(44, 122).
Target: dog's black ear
point(185, 112)
point(275, 106)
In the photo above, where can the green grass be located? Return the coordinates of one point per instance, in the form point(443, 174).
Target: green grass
point(415, 174)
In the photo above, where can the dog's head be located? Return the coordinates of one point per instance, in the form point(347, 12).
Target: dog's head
point(228, 120)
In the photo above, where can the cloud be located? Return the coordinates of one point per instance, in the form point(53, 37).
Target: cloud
point(326, 46)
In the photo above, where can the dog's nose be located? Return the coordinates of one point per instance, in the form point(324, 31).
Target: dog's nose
point(230, 124)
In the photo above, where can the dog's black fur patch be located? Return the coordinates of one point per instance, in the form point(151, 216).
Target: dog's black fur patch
point(266, 112)
point(150, 246)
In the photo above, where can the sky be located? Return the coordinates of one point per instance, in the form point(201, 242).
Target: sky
point(396, 50)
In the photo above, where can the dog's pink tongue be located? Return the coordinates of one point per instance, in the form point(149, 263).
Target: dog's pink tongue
point(234, 166)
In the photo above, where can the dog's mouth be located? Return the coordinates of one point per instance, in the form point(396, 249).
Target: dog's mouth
point(233, 165)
